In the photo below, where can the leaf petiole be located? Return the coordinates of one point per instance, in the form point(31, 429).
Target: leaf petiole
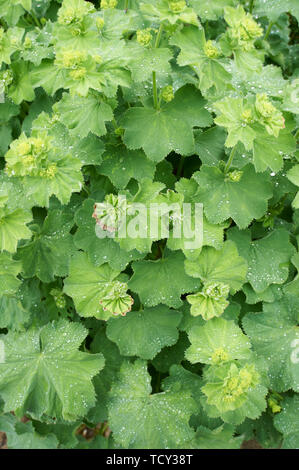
point(230, 160)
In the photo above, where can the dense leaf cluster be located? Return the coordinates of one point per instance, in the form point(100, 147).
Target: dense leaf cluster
point(160, 101)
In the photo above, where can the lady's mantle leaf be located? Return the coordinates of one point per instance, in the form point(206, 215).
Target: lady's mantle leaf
point(162, 281)
point(268, 258)
point(93, 287)
point(287, 422)
point(13, 228)
point(243, 198)
point(141, 420)
point(223, 265)
point(48, 254)
point(23, 435)
point(120, 165)
point(100, 250)
point(44, 374)
point(275, 336)
point(83, 115)
point(9, 269)
point(217, 341)
point(159, 132)
point(146, 332)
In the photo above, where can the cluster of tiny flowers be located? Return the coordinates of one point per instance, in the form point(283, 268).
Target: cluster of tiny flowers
point(211, 50)
point(71, 15)
point(30, 158)
point(100, 23)
point(246, 32)
point(73, 60)
point(6, 79)
point(219, 355)
point(27, 43)
point(247, 116)
point(177, 6)
point(105, 4)
point(268, 115)
point(58, 297)
point(167, 94)
point(235, 175)
point(144, 36)
point(250, 29)
point(239, 381)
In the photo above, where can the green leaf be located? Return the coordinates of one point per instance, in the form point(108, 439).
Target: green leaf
point(235, 390)
point(84, 114)
point(21, 88)
point(217, 341)
point(155, 283)
point(89, 286)
point(209, 145)
point(268, 150)
point(48, 254)
point(44, 374)
point(152, 60)
point(9, 269)
point(146, 332)
point(120, 165)
point(141, 420)
point(268, 257)
point(233, 116)
point(223, 265)
point(13, 228)
point(23, 435)
point(287, 422)
point(218, 438)
point(194, 52)
point(107, 376)
point(12, 313)
point(275, 336)
point(157, 131)
point(243, 199)
point(293, 176)
point(207, 10)
point(274, 8)
point(99, 250)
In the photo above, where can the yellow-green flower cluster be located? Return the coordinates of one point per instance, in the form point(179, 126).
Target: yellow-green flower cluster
point(58, 297)
point(105, 4)
point(74, 14)
point(167, 94)
point(235, 175)
point(238, 381)
point(144, 36)
point(268, 115)
point(29, 156)
point(211, 50)
point(74, 61)
point(177, 6)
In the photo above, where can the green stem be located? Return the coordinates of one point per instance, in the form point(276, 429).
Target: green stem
point(155, 91)
point(126, 5)
point(158, 38)
point(251, 5)
point(36, 20)
point(180, 167)
point(229, 161)
point(268, 30)
point(297, 134)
